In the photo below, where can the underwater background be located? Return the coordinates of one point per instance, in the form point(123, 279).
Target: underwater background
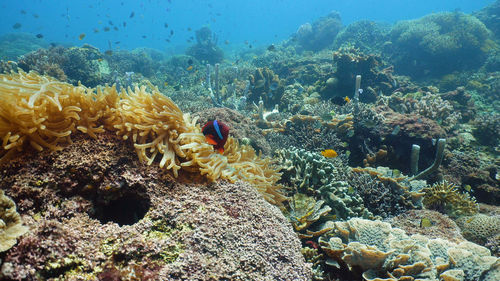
point(250, 140)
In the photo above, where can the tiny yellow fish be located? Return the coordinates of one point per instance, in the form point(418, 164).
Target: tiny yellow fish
point(81, 36)
point(329, 153)
point(189, 68)
point(99, 59)
point(350, 190)
point(425, 222)
point(165, 84)
point(347, 99)
point(9, 62)
point(468, 188)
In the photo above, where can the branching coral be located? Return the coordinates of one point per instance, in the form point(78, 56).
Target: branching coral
point(44, 112)
point(445, 197)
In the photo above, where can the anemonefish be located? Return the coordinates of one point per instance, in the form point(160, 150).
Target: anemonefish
point(216, 134)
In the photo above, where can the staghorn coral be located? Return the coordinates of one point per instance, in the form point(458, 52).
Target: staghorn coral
point(379, 252)
point(11, 225)
point(445, 197)
point(43, 112)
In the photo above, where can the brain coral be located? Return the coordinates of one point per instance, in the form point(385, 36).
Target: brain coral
point(381, 252)
point(43, 112)
point(10, 223)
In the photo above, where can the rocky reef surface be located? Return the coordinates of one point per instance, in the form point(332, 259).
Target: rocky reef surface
point(95, 212)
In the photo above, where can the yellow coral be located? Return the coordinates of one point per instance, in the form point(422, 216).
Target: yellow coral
point(445, 196)
point(11, 225)
point(44, 112)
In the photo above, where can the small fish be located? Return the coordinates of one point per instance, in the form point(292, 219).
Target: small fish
point(110, 22)
point(216, 134)
point(23, 12)
point(425, 222)
point(124, 24)
point(36, 16)
point(226, 42)
point(468, 188)
point(347, 99)
point(165, 84)
point(115, 28)
point(166, 25)
point(131, 15)
point(271, 48)
point(16, 25)
point(117, 42)
point(96, 30)
point(172, 32)
point(189, 68)
point(312, 244)
point(81, 36)
point(350, 190)
point(144, 36)
point(329, 153)
point(250, 46)
point(108, 52)
point(99, 59)
point(189, 28)
point(39, 36)
point(10, 62)
point(106, 28)
point(190, 62)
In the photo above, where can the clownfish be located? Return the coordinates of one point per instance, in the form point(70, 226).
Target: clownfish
point(216, 134)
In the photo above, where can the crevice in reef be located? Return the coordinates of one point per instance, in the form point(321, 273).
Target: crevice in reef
point(124, 210)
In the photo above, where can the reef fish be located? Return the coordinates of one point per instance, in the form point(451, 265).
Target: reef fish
point(329, 153)
point(216, 134)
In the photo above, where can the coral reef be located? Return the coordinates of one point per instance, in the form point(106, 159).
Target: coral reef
point(441, 226)
point(265, 86)
point(445, 197)
point(311, 173)
point(206, 48)
point(155, 125)
point(320, 34)
point(438, 44)
point(46, 62)
point(379, 252)
point(366, 35)
point(482, 229)
point(94, 210)
point(11, 224)
point(13, 45)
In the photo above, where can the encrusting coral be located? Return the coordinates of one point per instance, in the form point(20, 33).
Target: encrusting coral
point(43, 112)
point(381, 252)
point(11, 225)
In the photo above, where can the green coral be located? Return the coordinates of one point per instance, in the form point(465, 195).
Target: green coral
point(312, 173)
point(11, 225)
point(446, 198)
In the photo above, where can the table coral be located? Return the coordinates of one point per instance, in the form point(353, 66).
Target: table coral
point(44, 113)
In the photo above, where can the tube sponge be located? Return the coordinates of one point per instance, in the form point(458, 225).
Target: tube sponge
point(43, 112)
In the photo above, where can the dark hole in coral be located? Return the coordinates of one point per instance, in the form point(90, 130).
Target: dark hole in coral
point(125, 210)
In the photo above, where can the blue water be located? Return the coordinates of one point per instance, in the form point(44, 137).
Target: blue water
point(235, 22)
